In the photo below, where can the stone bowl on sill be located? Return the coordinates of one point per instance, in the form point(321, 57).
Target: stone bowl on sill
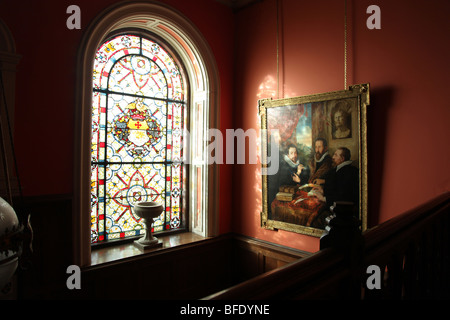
point(148, 211)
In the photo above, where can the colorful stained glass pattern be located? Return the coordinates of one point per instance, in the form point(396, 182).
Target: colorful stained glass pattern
point(138, 120)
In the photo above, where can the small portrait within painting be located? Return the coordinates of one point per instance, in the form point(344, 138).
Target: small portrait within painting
point(341, 120)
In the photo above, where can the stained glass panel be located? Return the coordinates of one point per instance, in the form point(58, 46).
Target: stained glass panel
point(136, 129)
point(138, 120)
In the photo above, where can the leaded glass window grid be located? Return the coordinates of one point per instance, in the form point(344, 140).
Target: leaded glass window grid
point(168, 222)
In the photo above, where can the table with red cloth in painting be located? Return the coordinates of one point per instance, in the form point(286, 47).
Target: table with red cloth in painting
point(302, 210)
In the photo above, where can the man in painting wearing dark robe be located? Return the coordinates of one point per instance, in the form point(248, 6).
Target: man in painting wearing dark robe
point(321, 162)
point(341, 182)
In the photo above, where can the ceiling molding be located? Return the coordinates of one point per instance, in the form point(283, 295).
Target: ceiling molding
point(238, 5)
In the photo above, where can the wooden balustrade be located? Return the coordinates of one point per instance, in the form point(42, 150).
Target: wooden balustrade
point(411, 251)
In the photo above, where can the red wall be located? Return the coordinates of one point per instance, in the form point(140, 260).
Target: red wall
point(406, 63)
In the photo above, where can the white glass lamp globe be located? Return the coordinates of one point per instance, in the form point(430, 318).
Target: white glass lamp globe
point(8, 256)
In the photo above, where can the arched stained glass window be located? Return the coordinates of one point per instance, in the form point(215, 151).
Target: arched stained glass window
point(138, 120)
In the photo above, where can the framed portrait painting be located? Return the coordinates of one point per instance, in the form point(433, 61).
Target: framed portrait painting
point(321, 146)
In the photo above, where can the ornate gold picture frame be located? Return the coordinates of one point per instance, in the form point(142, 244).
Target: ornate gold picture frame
point(322, 157)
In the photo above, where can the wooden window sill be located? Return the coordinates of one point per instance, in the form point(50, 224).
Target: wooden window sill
point(114, 253)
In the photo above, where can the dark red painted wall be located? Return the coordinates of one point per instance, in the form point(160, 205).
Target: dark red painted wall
point(406, 62)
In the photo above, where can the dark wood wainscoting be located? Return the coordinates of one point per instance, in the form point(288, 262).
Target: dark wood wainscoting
point(191, 271)
point(188, 271)
point(252, 257)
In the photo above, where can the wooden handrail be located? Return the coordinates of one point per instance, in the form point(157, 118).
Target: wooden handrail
point(392, 245)
point(377, 234)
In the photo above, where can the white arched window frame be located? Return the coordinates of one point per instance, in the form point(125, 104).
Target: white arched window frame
point(201, 71)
